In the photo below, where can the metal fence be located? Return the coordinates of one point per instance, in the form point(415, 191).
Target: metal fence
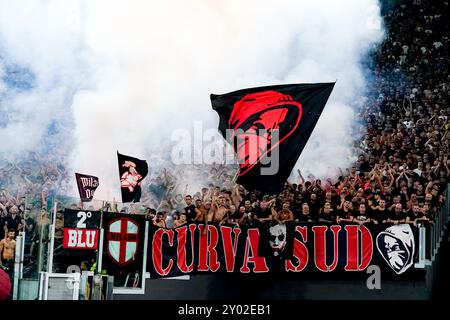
point(430, 236)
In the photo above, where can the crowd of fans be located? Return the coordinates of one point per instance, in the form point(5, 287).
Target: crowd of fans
point(402, 168)
point(400, 175)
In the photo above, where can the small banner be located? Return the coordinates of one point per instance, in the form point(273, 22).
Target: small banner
point(77, 236)
point(81, 229)
point(86, 186)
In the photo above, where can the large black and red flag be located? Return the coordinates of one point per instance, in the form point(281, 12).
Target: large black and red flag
point(131, 171)
point(268, 128)
point(86, 186)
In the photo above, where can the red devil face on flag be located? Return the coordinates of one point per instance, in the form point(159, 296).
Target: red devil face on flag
point(268, 127)
point(123, 239)
point(254, 119)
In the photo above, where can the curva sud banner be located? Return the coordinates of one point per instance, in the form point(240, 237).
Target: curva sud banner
point(291, 248)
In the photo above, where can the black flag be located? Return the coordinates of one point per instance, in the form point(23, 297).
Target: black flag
point(268, 128)
point(86, 186)
point(131, 171)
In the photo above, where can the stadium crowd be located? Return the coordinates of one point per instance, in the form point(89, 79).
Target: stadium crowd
point(402, 168)
point(400, 175)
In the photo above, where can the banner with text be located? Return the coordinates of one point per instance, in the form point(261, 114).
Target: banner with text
point(280, 248)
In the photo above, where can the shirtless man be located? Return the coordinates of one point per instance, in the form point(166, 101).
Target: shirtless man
point(201, 212)
point(220, 209)
point(159, 220)
point(7, 252)
point(181, 221)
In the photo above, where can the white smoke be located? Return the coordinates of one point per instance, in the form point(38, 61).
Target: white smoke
point(128, 73)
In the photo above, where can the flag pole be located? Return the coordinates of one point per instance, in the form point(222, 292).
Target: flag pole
point(100, 245)
point(235, 176)
point(52, 238)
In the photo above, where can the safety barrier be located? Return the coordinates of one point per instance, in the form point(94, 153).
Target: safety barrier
point(430, 236)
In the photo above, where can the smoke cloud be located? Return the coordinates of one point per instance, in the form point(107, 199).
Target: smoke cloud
point(100, 76)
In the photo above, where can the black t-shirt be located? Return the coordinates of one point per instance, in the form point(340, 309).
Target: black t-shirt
point(296, 207)
point(327, 217)
point(2, 227)
point(397, 217)
point(236, 215)
point(262, 214)
point(344, 214)
point(314, 209)
point(365, 166)
point(413, 217)
point(421, 196)
point(190, 212)
point(303, 218)
point(13, 222)
point(335, 201)
point(378, 215)
point(358, 216)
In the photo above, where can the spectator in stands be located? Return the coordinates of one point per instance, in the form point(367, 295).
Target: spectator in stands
point(181, 221)
point(190, 208)
point(345, 213)
point(160, 220)
point(305, 216)
point(326, 214)
point(397, 215)
point(361, 216)
point(7, 253)
point(13, 220)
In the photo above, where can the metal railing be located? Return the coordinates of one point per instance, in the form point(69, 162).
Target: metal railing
point(430, 236)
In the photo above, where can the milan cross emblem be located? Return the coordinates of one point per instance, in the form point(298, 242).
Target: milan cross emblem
point(122, 235)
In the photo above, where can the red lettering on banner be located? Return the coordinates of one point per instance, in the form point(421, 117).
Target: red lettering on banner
point(320, 247)
point(252, 244)
point(208, 257)
point(299, 251)
point(202, 247)
point(367, 248)
point(359, 244)
point(74, 238)
point(157, 251)
point(353, 247)
point(214, 263)
point(181, 249)
point(129, 237)
point(230, 248)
